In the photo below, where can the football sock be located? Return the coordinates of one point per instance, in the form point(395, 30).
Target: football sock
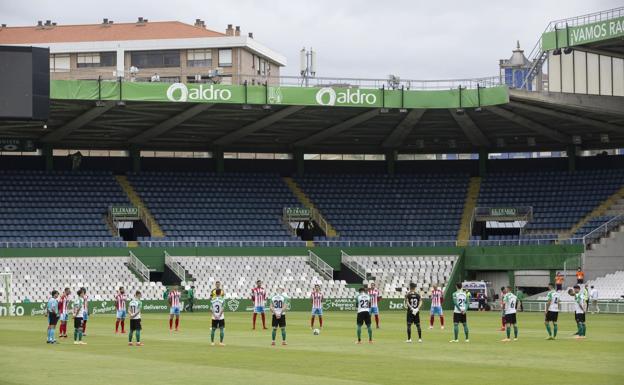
point(555, 330)
point(253, 319)
point(508, 328)
point(548, 330)
point(431, 320)
point(123, 325)
point(377, 320)
point(75, 334)
point(116, 326)
point(419, 331)
point(578, 328)
point(515, 331)
point(273, 334)
point(503, 321)
point(221, 334)
point(84, 327)
point(409, 332)
point(283, 334)
point(466, 331)
point(441, 320)
point(583, 329)
point(177, 323)
point(80, 333)
point(138, 334)
point(359, 332)
point(321, 320)
point(170, 323)
point(312, 322)
point(130, 336)
point(212, 333)
point(263, 320)
point(370, 332)
point(49, 337)
point(456, 330)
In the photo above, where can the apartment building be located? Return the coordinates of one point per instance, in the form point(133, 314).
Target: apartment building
point(168, 51)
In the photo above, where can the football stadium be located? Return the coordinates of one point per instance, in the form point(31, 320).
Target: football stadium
point(161, 179)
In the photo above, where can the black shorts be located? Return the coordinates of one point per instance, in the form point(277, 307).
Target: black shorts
point(510, 319)
point(363, 317)
point(220, 323)
point(278, 322)
point(579, 317)
point(135, 324)
point(413, 319)
point(78, 323)
point(551, 316)
point(459, 318)
point(579, 281)
point(52, 318)
point(559, 286)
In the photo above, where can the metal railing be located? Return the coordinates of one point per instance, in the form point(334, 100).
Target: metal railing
point(138, 266)
point(177, 269)
point(353, 265)
point(603, 230)
point(346, 82)
point(321, 266)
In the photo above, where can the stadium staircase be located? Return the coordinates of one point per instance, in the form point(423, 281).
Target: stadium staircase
point(472, 196)
point(329, 230)
point(608, 207)
point(144, 213)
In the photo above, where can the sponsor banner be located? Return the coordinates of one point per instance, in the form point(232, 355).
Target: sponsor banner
point(584, 34)
point(17, 145)
point(203, 305)
point(297, 214)
point(276, 95)
point(124, 213)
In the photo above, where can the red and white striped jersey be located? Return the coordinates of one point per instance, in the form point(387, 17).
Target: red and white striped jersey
point(374, 296)
point(258, 295)
point(63, 303)
point(317, 300)
point(120, 301)
point(174, 298)
point(436, 297)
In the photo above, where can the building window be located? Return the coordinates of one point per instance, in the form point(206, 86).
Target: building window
point(59, 63)
point(155, 59)
point(199, 58)
point(225, 57)
point(96, 59)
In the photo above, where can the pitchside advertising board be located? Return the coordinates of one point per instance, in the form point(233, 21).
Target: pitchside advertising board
point(276, 95)
point(232, 305)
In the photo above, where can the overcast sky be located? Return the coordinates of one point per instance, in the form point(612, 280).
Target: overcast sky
point(354, 38)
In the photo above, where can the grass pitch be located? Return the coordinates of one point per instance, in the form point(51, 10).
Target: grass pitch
point(186, 357)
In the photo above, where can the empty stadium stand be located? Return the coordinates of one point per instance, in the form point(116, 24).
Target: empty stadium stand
point(559, 199)
point(211, 207)
point(41, 208)
point(384, 207)
point(392, 275)
point(239, 276)
point(34, 278)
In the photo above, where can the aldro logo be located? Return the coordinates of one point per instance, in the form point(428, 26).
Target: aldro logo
point(328, 96)
point(179, 92)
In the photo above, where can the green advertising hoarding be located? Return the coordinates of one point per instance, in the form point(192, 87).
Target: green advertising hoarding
point(202, 305)
point(276, 95)
point(583, 34)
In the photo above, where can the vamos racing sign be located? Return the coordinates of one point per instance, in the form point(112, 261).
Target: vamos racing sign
point(584, 34)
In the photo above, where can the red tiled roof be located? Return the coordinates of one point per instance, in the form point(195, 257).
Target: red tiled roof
point(100, 32)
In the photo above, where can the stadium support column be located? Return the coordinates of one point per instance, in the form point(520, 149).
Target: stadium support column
point(571, 151)
point(217, 153)
point(512, 279)
point(48, 156)
point(135, 157)
point(483, 159)
point(299, 162)
point(390, 161)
